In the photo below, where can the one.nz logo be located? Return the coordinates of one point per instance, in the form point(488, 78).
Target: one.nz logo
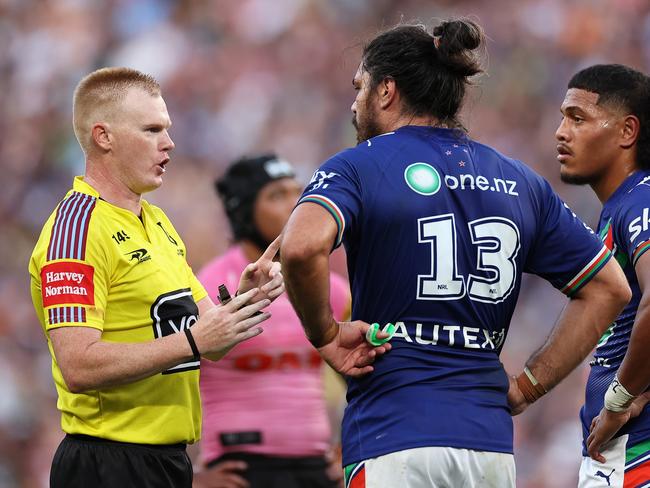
point(172, 313)
point(141, 255)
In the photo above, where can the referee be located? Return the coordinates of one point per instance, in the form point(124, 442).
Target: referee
point(120, 306)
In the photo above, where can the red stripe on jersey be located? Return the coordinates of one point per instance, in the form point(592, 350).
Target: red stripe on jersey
point(637, 476)
point(609, 239)
point(359, 479)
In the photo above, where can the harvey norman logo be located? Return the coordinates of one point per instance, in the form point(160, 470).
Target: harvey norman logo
point(67, 282)
point(424, 179)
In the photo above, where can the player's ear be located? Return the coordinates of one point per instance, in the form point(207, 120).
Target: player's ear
point(630, 131)
point(101, 135)
point(386, 92)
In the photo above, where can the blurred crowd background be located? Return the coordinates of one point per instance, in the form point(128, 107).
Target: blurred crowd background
point(249, 75)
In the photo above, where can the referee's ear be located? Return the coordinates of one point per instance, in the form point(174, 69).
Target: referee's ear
point(101, 136)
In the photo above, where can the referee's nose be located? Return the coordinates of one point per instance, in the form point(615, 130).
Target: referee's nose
point(168, 143)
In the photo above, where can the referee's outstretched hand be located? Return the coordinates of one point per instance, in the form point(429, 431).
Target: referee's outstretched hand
point(349, 353)
point(264, 274)
point(223, 327)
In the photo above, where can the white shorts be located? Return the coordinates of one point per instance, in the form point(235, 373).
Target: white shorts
point(434, 467)
point(625, 466)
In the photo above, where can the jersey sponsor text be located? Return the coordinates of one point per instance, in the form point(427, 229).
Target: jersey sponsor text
point(479, 182)
point(67, 282)
point(640, 224)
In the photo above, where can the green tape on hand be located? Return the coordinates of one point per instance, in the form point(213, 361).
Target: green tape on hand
point(371, 334)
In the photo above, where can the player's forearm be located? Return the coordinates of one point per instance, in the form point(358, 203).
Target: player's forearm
point(106, 364)
point(634, 372)
point(308, 239)
point(307, 283)
point(575, 334)
point(580, 325)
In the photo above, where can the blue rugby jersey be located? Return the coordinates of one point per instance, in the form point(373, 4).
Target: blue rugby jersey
point(438, 230)
point(624, 226)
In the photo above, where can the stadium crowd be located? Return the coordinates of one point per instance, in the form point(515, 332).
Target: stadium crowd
point(246, 76)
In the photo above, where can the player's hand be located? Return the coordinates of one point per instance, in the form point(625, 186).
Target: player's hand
point(223, 327)
point(226, 474)
point(516, 399)
point(334, 468)
point(607, 424)
point(349, 353)
point(264, 274)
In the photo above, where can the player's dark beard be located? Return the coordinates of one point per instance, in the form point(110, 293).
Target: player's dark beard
point(575, 179)
point(366, 126)
point(582, 179)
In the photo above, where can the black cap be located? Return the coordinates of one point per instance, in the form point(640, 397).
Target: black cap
point(239, 187)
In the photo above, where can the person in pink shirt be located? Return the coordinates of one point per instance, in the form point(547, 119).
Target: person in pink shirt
point(265, 422)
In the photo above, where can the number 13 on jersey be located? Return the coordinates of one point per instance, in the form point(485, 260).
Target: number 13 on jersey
point(497, 244)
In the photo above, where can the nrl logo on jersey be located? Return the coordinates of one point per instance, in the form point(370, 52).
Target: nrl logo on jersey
point(319, 179)
point(141, 255)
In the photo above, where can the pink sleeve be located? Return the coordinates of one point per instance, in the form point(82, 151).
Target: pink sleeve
point(208, 280)
point(211, 276)
point(340, 297)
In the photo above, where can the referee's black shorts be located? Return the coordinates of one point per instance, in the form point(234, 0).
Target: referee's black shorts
point(89, 462)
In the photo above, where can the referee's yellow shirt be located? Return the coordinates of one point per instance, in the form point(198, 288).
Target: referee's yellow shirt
point(98, 265)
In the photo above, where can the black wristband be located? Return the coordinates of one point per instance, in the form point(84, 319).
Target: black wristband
point(195, 350)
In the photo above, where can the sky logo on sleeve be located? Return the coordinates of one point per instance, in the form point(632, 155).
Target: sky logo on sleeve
point(320, 179)
point(639, 224)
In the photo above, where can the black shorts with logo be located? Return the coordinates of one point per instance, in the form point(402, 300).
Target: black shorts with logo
point(89, 462)
point(281, 472)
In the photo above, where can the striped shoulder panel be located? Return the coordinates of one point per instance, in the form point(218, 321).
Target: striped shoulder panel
point(61, 315)
point(70, 229)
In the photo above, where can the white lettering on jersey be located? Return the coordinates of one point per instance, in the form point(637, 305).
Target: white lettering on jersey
point(52, 277)
point(639, 224)
point(319, 179)
point(471, 182)
point(452, 335)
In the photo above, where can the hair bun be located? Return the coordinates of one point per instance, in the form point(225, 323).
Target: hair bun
point(456, 39)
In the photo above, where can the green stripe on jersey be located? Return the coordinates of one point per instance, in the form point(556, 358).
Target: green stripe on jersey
point(347, 472)
point(636, 451)
point(587, 275)
point(327, 205)
point(639, 251)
